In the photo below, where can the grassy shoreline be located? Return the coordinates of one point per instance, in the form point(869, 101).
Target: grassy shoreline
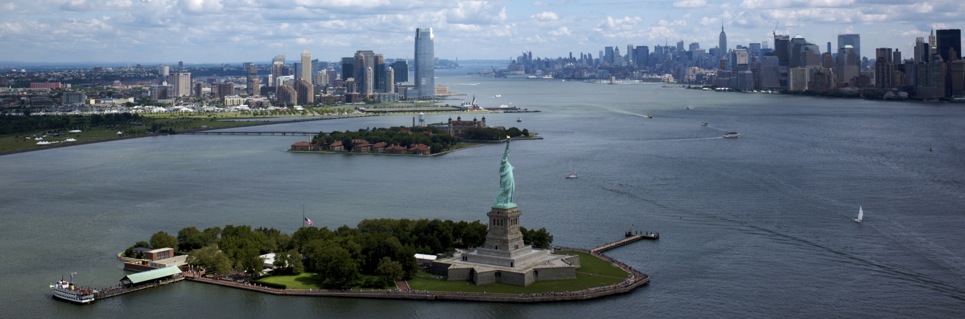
point(27, 142)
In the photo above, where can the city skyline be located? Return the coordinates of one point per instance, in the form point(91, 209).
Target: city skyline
point(216, 31)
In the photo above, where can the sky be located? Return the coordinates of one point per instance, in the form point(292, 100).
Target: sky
point(232, 31)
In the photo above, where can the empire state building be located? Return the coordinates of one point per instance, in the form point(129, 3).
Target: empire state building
point(722, 47)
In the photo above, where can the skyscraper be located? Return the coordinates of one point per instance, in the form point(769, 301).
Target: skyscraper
point(883, 68)
point(348, 68)
point(251, 76)
point(722, 46)
point(922, 51)
point(401, 70)
point(277, 68)
point(425, 86)
point(181, 81)
point(364, 76)
point(306, 69)
point(854, 40)
point(949, 39)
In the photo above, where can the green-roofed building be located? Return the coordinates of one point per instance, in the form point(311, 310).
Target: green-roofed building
point(150, 275)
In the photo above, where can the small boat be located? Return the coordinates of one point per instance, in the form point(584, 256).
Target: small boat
point(705, 124)
point(67, 291)
point(860, 215)
point(731, 135)
point(518, 120)
point(572, 176)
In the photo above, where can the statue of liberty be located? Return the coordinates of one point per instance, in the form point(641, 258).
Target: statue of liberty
point(507, 184)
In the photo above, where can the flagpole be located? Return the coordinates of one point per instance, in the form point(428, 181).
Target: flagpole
point(303, 215)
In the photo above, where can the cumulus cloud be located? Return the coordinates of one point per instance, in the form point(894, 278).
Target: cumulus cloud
point(476, 12)
point(690, 3)
point(546, 16)
point(201, 6)
point(562, 31)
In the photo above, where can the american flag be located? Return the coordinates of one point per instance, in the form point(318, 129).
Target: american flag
point(308, 221)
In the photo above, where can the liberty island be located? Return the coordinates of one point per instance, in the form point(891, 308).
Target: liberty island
point(504, 259)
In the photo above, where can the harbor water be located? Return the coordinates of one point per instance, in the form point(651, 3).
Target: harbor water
point(757, 226)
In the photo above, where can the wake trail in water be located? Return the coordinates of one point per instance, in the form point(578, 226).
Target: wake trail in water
point(619, 111)
point(893, 270)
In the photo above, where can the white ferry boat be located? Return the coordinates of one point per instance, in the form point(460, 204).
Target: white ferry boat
point(732, 135)
point(67, 291)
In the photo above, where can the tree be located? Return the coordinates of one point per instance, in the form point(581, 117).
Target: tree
point(389, 270)
point(129, 252)
point(539, 238)
point(190, 238)
point(163, 240)
point(336, 267)
point(211, 259)
point(289, 262)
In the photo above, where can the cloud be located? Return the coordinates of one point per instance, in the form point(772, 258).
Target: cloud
point(546, 16)
point(562, 31)
point(476, 12)
point(201, 6)
point(690, 3)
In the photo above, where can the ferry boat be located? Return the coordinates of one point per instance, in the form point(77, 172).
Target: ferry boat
point(732, 135)
point(67, 291)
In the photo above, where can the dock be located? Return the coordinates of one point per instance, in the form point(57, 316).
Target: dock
point(115, 291)
point(629, 238)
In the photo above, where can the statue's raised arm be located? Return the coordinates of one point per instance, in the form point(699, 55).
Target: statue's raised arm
point(507, 183)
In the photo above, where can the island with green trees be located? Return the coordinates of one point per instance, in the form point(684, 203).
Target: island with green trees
point(424, 140)
point(375, 254)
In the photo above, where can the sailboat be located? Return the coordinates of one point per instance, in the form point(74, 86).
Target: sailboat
point(860, 215)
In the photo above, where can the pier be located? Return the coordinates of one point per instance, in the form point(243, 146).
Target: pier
point(118, 290)
point(629, 239)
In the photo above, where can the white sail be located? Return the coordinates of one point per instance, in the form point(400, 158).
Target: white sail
point(860, 215)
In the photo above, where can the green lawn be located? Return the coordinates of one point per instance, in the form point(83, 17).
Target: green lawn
point(594, 272)
point(300, 281)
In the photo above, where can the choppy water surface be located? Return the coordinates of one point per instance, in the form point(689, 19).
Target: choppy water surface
point(758, 226)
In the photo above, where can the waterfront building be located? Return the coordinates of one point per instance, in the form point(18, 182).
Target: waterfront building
point(798, 79)
point(505, 258)
point(957, 74)
point(424, 64)
point(770, 73)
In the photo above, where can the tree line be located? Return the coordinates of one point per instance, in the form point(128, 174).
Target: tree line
point(492, 133)
point(15, 124)
point(403, 136)
point(374, 254)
